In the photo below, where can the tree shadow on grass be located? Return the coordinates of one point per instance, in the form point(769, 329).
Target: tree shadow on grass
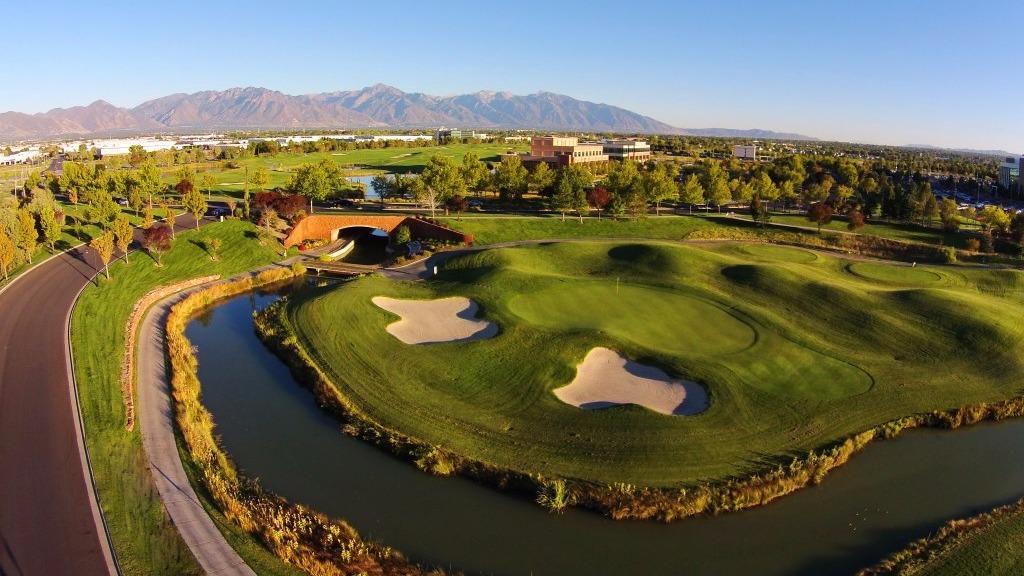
point(202, 246)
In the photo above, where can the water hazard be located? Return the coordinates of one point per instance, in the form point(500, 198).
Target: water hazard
point(891, 493)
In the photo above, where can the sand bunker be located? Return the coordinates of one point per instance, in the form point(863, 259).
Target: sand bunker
point(606, 378)
point(430, 321)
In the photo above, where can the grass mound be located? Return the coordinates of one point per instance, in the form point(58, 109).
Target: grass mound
point(795, 354)
point(895, 274)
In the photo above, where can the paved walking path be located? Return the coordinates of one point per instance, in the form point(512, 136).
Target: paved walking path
point(156, 417)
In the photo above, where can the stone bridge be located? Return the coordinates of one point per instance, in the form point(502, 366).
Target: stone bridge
point(326, 227)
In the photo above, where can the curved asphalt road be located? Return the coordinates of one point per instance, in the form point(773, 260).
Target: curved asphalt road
point(49, 523)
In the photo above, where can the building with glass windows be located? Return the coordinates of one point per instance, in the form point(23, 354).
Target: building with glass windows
point(1009, 174)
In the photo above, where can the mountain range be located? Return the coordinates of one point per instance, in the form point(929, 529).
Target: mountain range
point(378, 106)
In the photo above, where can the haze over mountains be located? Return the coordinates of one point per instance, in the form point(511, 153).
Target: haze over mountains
point(378, 106)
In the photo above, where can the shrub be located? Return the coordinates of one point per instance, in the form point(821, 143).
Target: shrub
point(298, 269)
point(949, 254)
point(402, 235)
point(972, 244)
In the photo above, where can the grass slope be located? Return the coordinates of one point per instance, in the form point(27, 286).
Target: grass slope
point(144, 539)
point(996, 550)
point(797, 351)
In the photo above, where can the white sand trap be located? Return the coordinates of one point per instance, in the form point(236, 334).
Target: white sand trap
point(430, 321)
point(606, 378)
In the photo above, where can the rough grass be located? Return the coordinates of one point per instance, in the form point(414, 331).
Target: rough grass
point(835, 354)
point(144, 539)
point(996, 550)
point(496, 229)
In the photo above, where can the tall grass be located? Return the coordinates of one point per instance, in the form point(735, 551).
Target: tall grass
point(296, 534)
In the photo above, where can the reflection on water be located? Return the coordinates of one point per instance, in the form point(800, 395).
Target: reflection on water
point(893, 492)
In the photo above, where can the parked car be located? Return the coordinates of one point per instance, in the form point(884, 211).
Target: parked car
point(474, 203)
point(122, 202)
point(217, 211)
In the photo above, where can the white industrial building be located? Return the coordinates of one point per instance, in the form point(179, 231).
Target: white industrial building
point(20, 157)
point(744, 152)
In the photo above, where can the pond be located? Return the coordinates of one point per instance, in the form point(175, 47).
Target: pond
point(891, 493)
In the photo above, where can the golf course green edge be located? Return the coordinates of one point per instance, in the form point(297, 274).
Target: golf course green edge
point(617, 501)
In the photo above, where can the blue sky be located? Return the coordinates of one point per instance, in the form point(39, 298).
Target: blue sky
point(896, 72)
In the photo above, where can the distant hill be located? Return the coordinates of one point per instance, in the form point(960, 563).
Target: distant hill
point(377, 106)
point(1001, 153)
point(753, 134)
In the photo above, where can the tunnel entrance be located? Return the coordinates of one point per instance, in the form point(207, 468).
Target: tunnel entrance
point(369, 244)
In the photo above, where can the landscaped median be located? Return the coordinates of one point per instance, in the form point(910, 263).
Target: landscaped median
point(144, 539)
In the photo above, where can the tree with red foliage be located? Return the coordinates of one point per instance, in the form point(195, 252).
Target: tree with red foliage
point(157, 240)
point(184, 187)
point(288, 205)
point(820, 213)
point(598, 198)
point(457, 203)
point(854, 219)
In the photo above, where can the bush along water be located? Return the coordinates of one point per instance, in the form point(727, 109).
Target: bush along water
point(618, 501)
point(296, 534)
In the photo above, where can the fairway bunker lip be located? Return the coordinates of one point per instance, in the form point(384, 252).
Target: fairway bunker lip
point(606, 379)
point(451, 319)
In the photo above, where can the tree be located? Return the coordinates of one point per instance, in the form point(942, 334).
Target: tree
point(692, 192)
point(541, 179)
point(102, 209)
point(50, 227)
point(511, 178)
point(475, 173)
point(758, 212)
point(598, 197)
point(570, 189)
point(187, 174)
point(137, 155)
point(316, 181)
point(659, 185)
point(842, 194)
point(168, 215)
point(623, 182)
point(8, 252)
point(26, 237)
point(157, 240)
point(716, 185)
point(950, 215)
point(995, 217)
point(147, 178)
point(383, 185)
point(122, 230)
point(195, 203)
point(820, 213)
point(441, 180)
point(134, 192)
point(765, 189)
point(458, 204)
point(208, 181)
point(104, 247)
point(213, 245)
point(147, 216)
point(32, 181)
point(259, 178)
point(854, 219)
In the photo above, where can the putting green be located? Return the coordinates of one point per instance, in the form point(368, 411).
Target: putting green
point(656, 319)
point(894, 273)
